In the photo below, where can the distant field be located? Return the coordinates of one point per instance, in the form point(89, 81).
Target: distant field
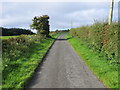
point(7, 37)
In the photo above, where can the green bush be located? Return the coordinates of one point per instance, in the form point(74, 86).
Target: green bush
point(101, 37)
point(21, 57)
point(14, 49)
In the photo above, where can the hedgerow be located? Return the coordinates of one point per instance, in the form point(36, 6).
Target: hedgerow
point(21, 56)
point(100, 37)
point(13, 48)
point(15, 53)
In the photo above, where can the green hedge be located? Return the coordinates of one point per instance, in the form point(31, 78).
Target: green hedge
point(13, 48)
point(21, 56)
point(16, 53)
point(101, 38)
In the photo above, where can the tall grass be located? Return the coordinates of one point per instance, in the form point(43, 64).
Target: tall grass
point(21, 56)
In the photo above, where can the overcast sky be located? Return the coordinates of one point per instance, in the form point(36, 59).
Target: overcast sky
point(20, 14)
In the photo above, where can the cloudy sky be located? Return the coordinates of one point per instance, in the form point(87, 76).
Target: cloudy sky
point(61, 13)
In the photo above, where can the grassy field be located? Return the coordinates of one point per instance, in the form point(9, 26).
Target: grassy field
point(106, 72)
point(7, 37)
point(18, 71)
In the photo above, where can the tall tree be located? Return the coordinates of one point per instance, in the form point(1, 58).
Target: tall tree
point(41, 24)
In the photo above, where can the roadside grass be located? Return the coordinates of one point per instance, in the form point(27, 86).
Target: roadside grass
point(7, 37)
point(18, 72)
point(106, 72)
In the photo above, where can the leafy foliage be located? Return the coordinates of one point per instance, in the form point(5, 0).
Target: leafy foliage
point(13, 52)
point(41, 24)
point(101, 38)
point(21, 56)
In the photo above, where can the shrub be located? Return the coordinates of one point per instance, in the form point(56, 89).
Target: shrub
point(101, 38)
point(13, 48)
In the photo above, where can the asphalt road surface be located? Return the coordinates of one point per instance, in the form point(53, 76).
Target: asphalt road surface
point(63, 68)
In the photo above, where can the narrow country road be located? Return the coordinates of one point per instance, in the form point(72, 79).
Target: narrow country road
point(63, 68)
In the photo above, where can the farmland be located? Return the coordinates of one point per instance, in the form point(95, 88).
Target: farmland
point(7, 37)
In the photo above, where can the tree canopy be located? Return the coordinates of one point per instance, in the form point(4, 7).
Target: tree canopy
point(41, 24)
point(14, 31)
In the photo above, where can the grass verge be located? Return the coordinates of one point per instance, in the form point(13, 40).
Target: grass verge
point(106, 72)
point(21, 70)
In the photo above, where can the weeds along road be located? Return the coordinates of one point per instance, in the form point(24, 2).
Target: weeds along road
point(63, 68)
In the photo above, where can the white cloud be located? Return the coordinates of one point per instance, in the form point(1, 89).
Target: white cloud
point(11, 20)
point(57, 0)
point(20, 14)
point(86, 16)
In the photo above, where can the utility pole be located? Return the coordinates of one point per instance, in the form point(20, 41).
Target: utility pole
point(111, 12)
point(71, 24)
point(119, 12)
